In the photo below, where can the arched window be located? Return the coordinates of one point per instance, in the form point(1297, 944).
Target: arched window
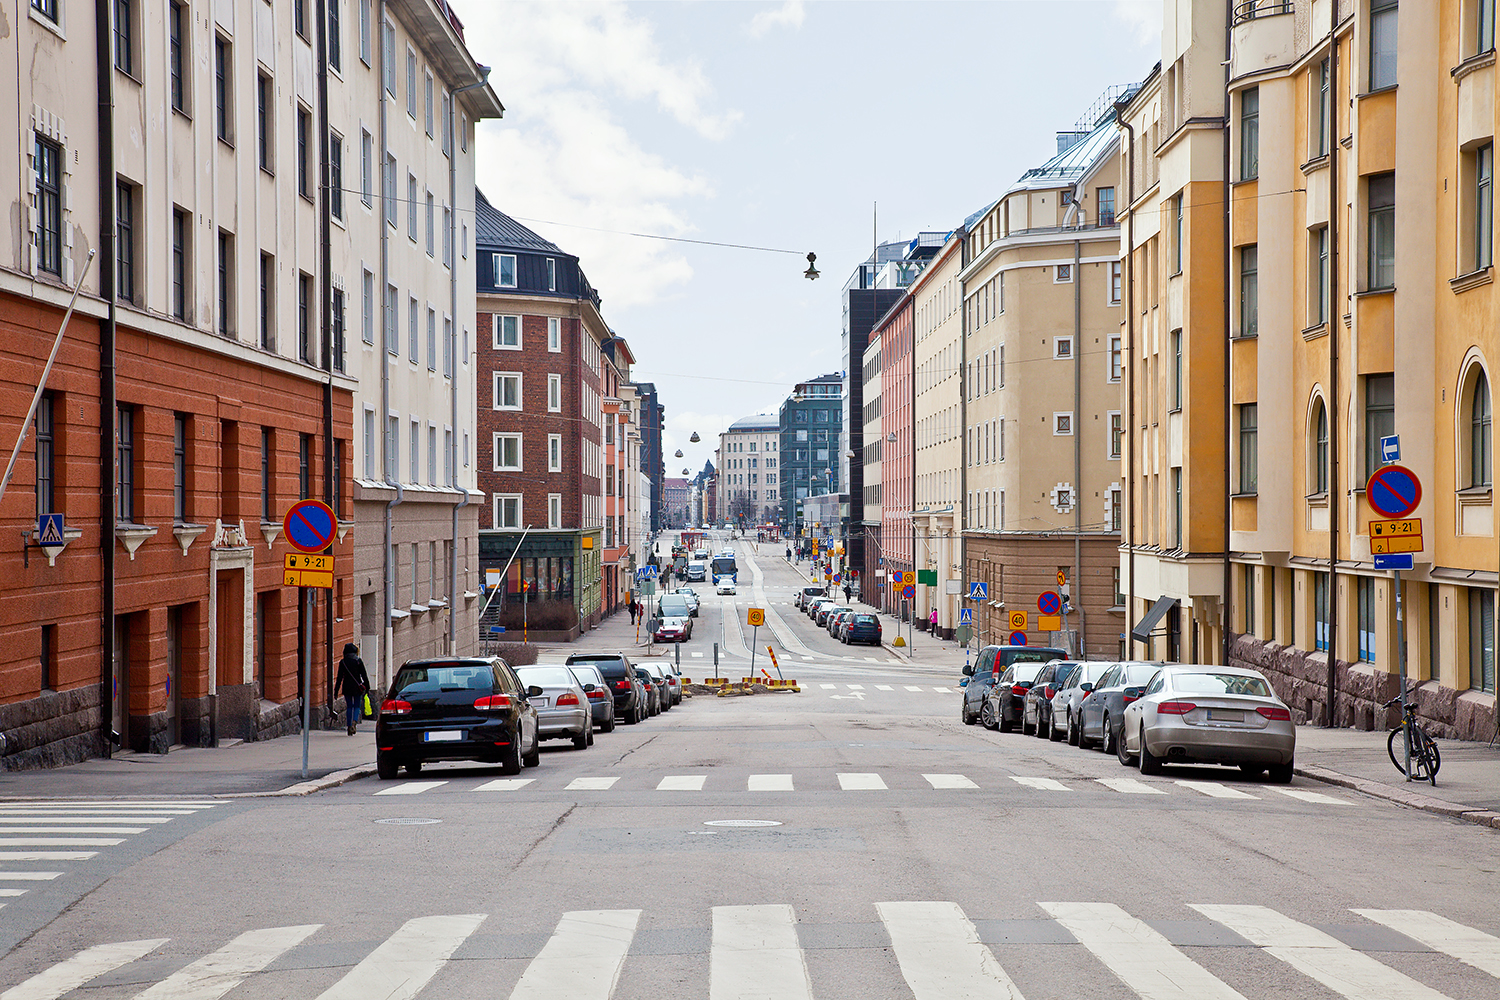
point(1480, 455)
point(1319, 476)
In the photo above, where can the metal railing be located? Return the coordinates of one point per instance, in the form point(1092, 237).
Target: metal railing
point(1248, 10)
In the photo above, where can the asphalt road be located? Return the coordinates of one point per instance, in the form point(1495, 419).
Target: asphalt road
point(894, 853)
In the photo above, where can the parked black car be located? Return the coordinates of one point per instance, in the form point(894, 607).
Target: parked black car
point(862, 628)
point(1036, 717)
point(601, 701)
point(456, 708)
point(1104, 710)
point(630, 699)
point(992, 662)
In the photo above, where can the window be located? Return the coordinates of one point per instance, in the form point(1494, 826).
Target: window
point(299, 17)
point(364, 31)
point(1249, 291)
point(1177, 539)
point(1319, 475)
point(223, 108)
point(1062, 273)
point(432, 455)
point(507, 391)
point(305, 349)
point(49, 172)
point(179, 468)
point(367, 294)
point(414, 453)
point(1481, 458)
point(1382, 44)
point(46, 454)
point(1321, 116)
point(1250, 134)
point(304, 466)
point(445, 124)
point(1482, 639)
point(411, 84)
point(392, 447)
point(392, 321)
point(431, 226)
point(551, 275)
point(554, 452)
point(507, 452)
point(1381, 190)
point(175, 62)
point(505, 270)
point(431, 339)
point(448, 347)
point(447, 236)
point(554, 334)
point(1116, 282)
point(388, 56)
point(554, 510)
point(125, 241)
point(267, 302)
point(335, 40)
point(427, 88)
point(226, 283)
point(1484, 26)
point(1484, 206)
point(337, 316)
point(1176, 370)
point(1247, 588)
point(1104, 205)
point(554, 393)
point(411, 206)
point(179, 263)
point(48, 9)
point(265, 475)
point(1320, 611)
point(1115, 358)
point(507, 512)
point(124, 31)
point(338, 478)
point(1380, 417)
point(413, 331)
point(1062, 424)
point(1177, 235)
point(1366, 600)
point(335, 172)
point(1116, 433)
point(366, 167)
point(1249, 448)
point(125, 464)
point(265, 103)
point(1062, 348)
point(369, 443)
point(507, 333)
point(388, 190)
point(448, 453)
point(1317, 306)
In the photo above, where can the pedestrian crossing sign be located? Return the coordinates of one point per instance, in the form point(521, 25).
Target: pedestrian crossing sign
point(966, 616)
point(49, 529)
point(979, 591)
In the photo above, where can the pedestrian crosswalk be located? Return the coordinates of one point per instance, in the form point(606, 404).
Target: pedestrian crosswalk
point(635, 783)
point(44, 832)
point(863, 691)
point(927, 949)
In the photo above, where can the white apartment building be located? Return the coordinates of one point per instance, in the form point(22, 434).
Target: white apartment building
point(749, 490)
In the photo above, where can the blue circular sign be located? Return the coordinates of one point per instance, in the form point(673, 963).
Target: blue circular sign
point(1394, 491)
point(1018, 638)
point(310, 526)
point(1048, 603)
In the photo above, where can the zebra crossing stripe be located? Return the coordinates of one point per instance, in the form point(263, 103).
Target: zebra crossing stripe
point(884, 687)
point(60, 842)
point(681, 783)
point(409, 958)
point(1139, 956)
point(1130, 786)
point(89, 964)
point(12, 892)
point(943, 690)
point(504, 784)
point(769, 783)
point(1044, 784)
point(582, 958)
point(1467, 944)
point(855, 687)
point(755, 954)
point(214, 975)
point(828, 687)
point(28, 876)
point(1319, 956)
point(1318, 797)
point(1218, 791)
point(940, 954)
point(45, 856)
point(72, 829)
point(590, 784)
point(11, 820)
point(861, 782)
point(912, 687)
point(411, 788)
point(949, 781)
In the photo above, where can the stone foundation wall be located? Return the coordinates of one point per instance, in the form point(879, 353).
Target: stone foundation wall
point(53, 729)
point(1300, 678)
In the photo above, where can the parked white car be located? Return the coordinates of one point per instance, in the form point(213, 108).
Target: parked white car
point(1209, 715)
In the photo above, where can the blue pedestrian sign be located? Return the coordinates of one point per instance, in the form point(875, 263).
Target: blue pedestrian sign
point(1390, 448)
point(966, 616)
point(979, 591)
point(49, 529)
point(1393, 560)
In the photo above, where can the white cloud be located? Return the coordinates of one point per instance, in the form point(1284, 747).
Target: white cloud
point(788, 15)
point(1143, 19)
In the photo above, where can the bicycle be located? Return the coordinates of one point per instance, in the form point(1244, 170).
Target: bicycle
point(1425, 759)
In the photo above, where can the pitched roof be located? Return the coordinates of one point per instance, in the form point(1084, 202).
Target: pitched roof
point(494, 228)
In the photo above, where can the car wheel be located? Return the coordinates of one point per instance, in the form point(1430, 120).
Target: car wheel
point(1025, 729)
point(1001, 722)
point(510, 756)
point(535, 757)
point(608, 725)
point(1106, 736)
point(1053, 733)
point(1041, 731)
point(1072, 730)
point(385, 767)
point(581, 741)
point(964, 715)
point(987, 716)
point(1150, 763)
point(1281, 773)
point(1127, 759)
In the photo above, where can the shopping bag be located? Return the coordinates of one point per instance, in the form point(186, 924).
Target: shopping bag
point(369, 711)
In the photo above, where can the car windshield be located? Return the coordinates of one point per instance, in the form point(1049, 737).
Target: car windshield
point(545, 676)
point(1210, 683)
point(1023, 672)
point(585, 676)
point(436, 679)
point(1140, 673)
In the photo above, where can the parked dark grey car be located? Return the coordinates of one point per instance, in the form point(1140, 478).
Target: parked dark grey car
point(630, 697)
point(601, 701)
point(1036, 715)
point(992, 662)
point(1067, 704)
point(1104, 710)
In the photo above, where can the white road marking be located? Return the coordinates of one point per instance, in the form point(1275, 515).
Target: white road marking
point(85, 816)
point(1306, 796)
point(28, 876)
point(214, 975)
point(71, 829)
point(504, 784)
point(1217, 790)
point(807, 659)
point(47, 855)
point(860, 782)
point(411, 788)
point(1318, 956)
point(1140, 957)
point(949, 781)
point(756, 955)
point(855, 687)
point(12, 892)
point(1045, 784)
point(67, 976)
point(912, 687)
point(189, 805)
point(940, 954)
point(769, 783)
point(1130, 786)
point(582, 958)
point(681, 783)
point(590, 784)
point(699, 655)
point(943, 690)
point(828, 687)
point(884, 687)
point(60, 841)
point(409, 958)
point(1468, 945)
point(871, 659)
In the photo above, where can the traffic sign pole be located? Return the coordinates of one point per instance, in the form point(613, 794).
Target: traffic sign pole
point(307, 675)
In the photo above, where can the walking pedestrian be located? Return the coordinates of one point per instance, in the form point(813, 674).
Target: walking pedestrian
point(848, 593)
point(788, 553)
point(932, 621)
point(633, 610)
point(353, 682)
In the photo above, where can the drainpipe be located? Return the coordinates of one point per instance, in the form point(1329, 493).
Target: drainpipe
point(112, 731)
point(1336, 493)
point(1226, 616)
point(1128, 279)
point(325, 291)
point(387, 195)
point(963, 447)
point(455, 361)
point(1075, 212)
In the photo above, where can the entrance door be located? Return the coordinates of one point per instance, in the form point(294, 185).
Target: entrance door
point(119, 712)
point(230, 627)
point(174, 675)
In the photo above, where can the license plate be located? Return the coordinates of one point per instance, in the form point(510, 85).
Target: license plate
point(443, 736)
point(1225, 715)
point(539, 702)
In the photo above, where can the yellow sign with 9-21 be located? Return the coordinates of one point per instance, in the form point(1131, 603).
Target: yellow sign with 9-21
point(1388, 537)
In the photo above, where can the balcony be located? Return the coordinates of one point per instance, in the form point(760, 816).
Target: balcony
point(1264, 36)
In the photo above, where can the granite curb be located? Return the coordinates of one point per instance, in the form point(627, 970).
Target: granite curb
point(1402, 796)
point(311, 785)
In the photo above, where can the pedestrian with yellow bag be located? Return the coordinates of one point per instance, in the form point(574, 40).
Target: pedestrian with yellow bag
point(353, 683)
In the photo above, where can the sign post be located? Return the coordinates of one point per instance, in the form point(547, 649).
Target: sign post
point(755, 618)
point(1396, 492)
point(310, 527)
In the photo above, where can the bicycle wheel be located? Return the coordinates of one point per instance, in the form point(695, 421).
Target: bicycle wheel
point(1424, 747)
point(1396, 749)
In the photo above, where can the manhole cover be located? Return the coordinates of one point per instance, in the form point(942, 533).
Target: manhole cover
point(741, 822)
point(408, 821)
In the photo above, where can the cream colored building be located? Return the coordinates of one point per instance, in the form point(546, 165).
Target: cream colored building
point(1173, 329)
point(1041, 409)
point(749, 490)
point(1376, 145)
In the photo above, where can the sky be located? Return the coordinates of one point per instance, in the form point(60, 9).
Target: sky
point(782, 128)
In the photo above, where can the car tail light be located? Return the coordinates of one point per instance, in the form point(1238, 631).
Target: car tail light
point(394, 706)
point(566, 699)
point(1275, 713)
point(1050, 691)
point(596, 693)
point(1019, 690)
point(492, 702)
point(622, 685)
point(672, 681)
point(1131, 694)
point(1175, 707)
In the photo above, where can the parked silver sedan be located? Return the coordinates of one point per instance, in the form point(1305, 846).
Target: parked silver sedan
point(562, 707)
point(1209, 715)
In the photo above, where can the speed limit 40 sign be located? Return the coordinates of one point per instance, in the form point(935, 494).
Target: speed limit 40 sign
point(755, 617)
